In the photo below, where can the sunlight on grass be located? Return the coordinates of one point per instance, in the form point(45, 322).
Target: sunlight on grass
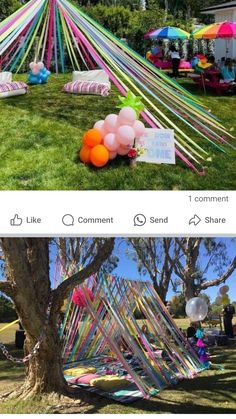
point(41, 134)
point(212, 391)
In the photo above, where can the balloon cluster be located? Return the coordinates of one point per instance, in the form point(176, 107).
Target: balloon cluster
point(154, 55)
point(38, 73)
point(200, 63)
point(111, 137)
point(201, 351)
point(196, 309)
point(223, 297)
point(79, 296)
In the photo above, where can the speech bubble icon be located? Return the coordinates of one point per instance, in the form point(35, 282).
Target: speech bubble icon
point(68, 220)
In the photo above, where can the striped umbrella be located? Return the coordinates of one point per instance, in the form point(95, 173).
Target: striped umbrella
point(167, 32)
point(224, 30)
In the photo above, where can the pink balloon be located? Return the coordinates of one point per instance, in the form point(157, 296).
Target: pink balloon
point(35, 69)
point(110, 123)
point(79, 297)
point(139, 129)
point(127, 116)
point(101, 127)
point(112, 155)
point(110, 142)
point(122, 151)
point(31, 66)
point(99, 124)
point(125, 135)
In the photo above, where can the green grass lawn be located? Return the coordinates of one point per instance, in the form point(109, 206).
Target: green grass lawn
point(41, 134)
point(213, 391)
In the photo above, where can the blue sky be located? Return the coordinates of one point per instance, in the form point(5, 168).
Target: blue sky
point(127, 268)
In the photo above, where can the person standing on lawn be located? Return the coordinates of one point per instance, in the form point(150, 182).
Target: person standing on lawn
point(228, 313)
point(175, 57)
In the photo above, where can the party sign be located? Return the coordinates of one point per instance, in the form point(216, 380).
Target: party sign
point(156, 146)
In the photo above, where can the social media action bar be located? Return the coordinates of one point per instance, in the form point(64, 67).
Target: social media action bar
point(117, 213)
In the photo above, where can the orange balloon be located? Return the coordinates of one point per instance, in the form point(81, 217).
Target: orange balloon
point(99, 155)
point(92, 137)
point(84, 154)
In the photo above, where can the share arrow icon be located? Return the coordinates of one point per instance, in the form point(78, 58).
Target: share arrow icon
point(195, 220)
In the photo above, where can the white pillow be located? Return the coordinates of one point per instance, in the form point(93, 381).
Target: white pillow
point(98, 76)
point(5, 77)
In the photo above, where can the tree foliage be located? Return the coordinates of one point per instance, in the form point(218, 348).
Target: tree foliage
point(116, 19)
point(178, 304)
point(189, 8)
point(185, 263)
point(7, 311)
point(198, 257)
point(7, 7)
point(152, 258)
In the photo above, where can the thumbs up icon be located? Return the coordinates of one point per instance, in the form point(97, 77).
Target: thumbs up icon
point(16, 221)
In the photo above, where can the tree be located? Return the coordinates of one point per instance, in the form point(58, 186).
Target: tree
point(75, 252)
point(8, 7)
point(197, 256)
point(152, 256)
point(114, 18)
point(178, 305)
point(7, 311)
point(189, 8)
point(27, 282)
point(184, 263)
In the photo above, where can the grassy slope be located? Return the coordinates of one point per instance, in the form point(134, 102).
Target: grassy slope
point(41, 133)
point(211, 392)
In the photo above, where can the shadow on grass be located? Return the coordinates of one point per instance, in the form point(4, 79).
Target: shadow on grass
point(159, 406)
point(10, 370)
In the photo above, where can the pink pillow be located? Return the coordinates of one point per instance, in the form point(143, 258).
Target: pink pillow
point(184, 64)
point(84, 379)
point(87, 88)
point(14, 85)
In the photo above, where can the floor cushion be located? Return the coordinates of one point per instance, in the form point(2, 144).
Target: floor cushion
point(109, 382)
point(87, 88)
point(84, 379)
point(15, 88)
point(98, 76)
point(76, 372)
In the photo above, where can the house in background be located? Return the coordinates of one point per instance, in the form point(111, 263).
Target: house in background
point(222, 12)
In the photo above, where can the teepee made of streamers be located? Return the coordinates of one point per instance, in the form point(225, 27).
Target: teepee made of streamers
point(104, 322)
point(51, 29)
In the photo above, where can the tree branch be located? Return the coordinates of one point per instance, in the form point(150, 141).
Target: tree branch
point(63, 290)
point(221, 279)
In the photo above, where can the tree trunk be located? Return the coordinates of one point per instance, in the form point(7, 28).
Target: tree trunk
point(44, 372)
point(27, 273)
point(189, 289)
point(166, 10)
point(159, 289)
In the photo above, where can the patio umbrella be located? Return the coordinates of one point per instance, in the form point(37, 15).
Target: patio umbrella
point(167, 32)
point(224, 30)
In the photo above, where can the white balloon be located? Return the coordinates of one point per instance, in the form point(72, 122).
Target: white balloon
point(41, 65)
point(196, 309)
